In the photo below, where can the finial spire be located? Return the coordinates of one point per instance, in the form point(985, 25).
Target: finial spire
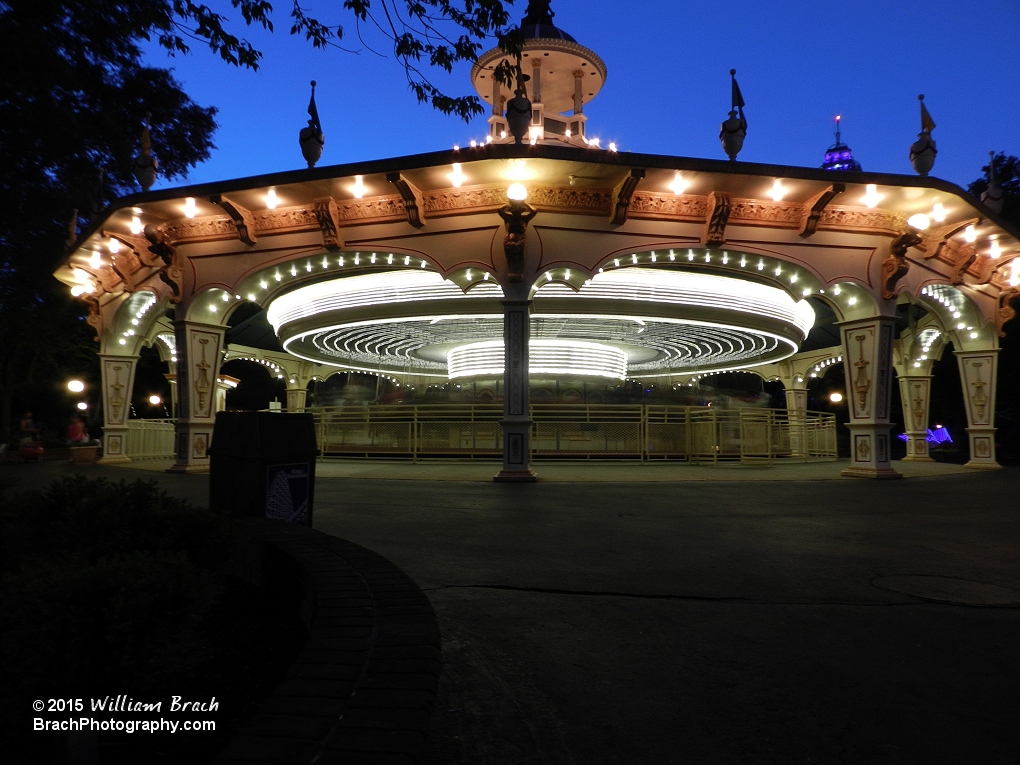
point(927, 123)
point(734, 129)
point(311, 138)
point(538, 12)
point(146, 166)
point(838, 118)
point(993, 197)
point(923, 151)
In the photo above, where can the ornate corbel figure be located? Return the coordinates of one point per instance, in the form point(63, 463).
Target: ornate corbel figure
point(896, 266)
point(715, 228)
point(966, 254)
point(170, 272)
point(935, 239)
point(94, 319)
point(1005, 310)
point(327, 215)
point(516, 215)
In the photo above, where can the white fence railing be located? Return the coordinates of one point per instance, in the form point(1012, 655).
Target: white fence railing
point(581, 431)
point(150, 439)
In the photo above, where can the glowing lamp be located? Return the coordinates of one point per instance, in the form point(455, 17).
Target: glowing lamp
point(920, 221)
point(679, 185)
point(871, 196)
point(82, 406)
point(155, 400)
point(456, 177)
point(517, 192)
point(970, 234)
point(272, 200)
point(778, 191)
point(835, 397)
point(359, 188)
point(75, 386)
point(190, 208)
point(135, 225)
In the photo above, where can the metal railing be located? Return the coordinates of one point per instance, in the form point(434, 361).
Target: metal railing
point(150, 439)
point(579, 431)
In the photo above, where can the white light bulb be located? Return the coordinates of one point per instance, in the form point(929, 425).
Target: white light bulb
point(359, 188)
point(871, 196)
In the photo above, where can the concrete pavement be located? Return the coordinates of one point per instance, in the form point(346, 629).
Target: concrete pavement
point(705, 621)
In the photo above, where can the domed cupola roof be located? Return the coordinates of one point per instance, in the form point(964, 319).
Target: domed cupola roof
point(839, 156)
point(537, 23)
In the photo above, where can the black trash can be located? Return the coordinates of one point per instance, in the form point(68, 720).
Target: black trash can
point(263, 464)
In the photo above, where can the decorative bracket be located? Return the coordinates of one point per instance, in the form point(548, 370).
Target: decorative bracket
point(812, 211)
point(243, 220)
point(127, 263)
point(327, 213)
point(622, 194)
point(715, 227)
point(412, 199)
point(1005, 310)
point(170, 272)
point(934, 240)
point(966, 255)
point(896, 265)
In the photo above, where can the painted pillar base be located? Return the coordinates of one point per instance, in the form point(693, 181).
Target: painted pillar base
point(917, 448)
point(982, 449)
point(191, 444)
point(113, 460)
point(296, 398)
point(516, 452)
point(869, 452)
point(114, 446)
point(860, 472)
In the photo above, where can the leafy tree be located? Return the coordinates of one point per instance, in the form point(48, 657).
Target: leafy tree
point(1007, 173)
point(72, 100)
point(422, 34)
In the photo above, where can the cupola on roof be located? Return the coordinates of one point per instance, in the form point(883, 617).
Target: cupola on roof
point(537, 23)
point(563, 77)
point(839, 156)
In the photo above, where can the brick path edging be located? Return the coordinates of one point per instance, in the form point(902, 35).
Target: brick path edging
point(363, 688)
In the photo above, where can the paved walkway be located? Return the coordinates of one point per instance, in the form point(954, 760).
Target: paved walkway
point(596, 471)
point(729, 619)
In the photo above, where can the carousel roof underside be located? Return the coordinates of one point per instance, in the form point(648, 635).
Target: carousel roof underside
point(657, 321)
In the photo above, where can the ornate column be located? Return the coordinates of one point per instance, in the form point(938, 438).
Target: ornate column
point(517, 275)
point(915, 394)
point(796, 412)
point(516, 394)
point(868, 361)
point(977, 378)
point(296, 399)
point(199, 347)
point(118, 375)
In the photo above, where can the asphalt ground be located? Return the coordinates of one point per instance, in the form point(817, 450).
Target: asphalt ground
point(703, 621)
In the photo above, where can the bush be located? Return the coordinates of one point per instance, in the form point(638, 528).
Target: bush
point(117, 588)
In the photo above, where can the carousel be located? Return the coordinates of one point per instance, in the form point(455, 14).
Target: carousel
point(540, 260)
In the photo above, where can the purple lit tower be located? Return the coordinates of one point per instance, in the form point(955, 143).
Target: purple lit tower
point(838, 156)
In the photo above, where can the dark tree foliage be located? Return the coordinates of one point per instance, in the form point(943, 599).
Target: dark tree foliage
point(1007, 173)
point(72, 101)
point(1007, 411)
point(422, 34)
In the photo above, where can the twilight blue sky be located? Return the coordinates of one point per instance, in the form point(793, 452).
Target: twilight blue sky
point(799, 63)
